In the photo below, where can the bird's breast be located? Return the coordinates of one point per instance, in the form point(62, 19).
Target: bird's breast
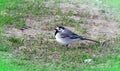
point(62, 40)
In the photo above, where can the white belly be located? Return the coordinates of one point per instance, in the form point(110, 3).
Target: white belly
point(63, 40)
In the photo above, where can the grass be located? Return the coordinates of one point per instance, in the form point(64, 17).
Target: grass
point(8, 62)
point(39, 53)
point(17, 11)
point(113, 3)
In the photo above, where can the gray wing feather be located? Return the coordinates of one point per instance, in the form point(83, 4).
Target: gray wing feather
point(70, 35)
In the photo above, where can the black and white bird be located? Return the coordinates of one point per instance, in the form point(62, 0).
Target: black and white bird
point(66, 37)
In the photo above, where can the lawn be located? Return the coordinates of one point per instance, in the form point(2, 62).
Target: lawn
point(39, 54)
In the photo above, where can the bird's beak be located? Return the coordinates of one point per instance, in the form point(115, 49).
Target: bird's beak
point(56, 29)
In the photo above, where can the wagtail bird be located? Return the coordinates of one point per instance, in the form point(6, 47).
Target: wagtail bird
point(66, 37)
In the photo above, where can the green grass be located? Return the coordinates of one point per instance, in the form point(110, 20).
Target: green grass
point(113, 3)
point(71, 59)
point(8, 63)
point(7, 15)
point(22, 54)
point(14, 12)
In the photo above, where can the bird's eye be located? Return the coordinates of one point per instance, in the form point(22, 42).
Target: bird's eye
point(60, 29)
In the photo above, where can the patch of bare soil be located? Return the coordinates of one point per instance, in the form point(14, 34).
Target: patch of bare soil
point(98, 22)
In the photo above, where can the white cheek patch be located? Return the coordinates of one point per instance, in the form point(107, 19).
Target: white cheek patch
point(62, 30)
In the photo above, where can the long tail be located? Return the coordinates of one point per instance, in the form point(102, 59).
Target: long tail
point(91, 40)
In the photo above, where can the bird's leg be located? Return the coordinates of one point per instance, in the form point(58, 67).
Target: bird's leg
point(67, 46)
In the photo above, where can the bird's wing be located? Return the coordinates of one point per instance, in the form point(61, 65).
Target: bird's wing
point(75, 36)
point(64, 35)
point(70, 35)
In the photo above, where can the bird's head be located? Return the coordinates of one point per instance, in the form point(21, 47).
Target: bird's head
point(59, 29)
